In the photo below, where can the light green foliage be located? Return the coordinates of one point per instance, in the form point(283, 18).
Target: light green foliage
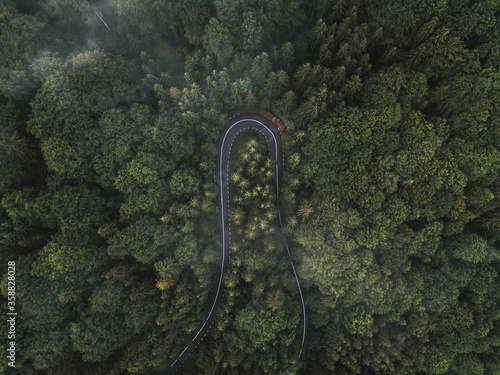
point(64, 255)
point(470, 248)
point(218, 39)
point(261, 66)
point(358, 322)
point(252, 32)
point(470, 364)
point(184, 183)
point(437, 361)
point(275, 299)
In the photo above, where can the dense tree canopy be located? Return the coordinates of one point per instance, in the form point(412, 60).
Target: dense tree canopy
point(109, 113)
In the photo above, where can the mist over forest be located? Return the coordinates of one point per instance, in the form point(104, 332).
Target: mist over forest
point(109, 116)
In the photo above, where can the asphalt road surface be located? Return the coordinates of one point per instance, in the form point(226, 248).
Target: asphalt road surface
point(227, 135)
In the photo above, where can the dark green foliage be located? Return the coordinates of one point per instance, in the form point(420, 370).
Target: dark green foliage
point(109, 111)
point(19, 37)
point(184, 182)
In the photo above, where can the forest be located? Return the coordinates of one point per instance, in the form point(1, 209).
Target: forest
point(109, 114)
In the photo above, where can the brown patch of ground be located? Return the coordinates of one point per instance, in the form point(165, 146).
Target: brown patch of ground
point(276, 122)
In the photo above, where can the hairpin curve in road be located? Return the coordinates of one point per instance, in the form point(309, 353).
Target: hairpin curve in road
point(227, 135)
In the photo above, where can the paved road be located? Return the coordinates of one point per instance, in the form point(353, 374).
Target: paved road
point(227, 135)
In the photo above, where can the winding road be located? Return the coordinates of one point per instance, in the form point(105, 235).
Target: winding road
point(227, 135)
